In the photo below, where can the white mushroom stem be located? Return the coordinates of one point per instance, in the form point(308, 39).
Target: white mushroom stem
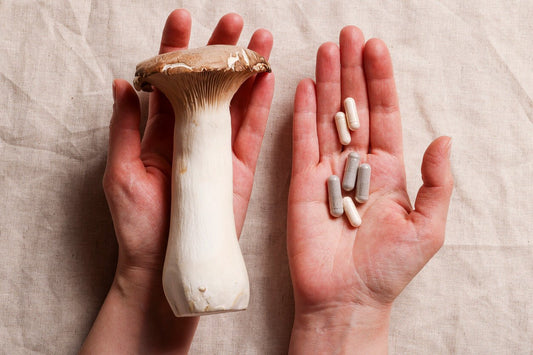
point(204, 271)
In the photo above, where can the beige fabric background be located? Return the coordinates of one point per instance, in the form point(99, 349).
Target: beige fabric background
point(463, 68)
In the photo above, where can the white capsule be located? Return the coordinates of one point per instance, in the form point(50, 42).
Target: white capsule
point(351, 113)
point(362, 187)
point(342, 128)
point(335, 196)
point(350, 171)
point(351, 211)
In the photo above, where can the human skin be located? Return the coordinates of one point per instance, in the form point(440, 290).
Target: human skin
point(135, 316)
point(345, 279)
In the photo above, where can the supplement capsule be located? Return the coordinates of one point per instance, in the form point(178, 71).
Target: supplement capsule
point(335, 196)
point(350, 171)
point(351, 113)
point(362, 187)
point(351, 211)
point(342, 128)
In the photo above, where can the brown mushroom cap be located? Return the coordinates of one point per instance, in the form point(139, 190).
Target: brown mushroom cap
point(215, 58)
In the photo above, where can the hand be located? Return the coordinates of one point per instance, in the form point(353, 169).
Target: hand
point(345, 279)
point(137, 187)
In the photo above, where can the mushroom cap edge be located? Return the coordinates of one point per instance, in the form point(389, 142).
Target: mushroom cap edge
point(212, 58)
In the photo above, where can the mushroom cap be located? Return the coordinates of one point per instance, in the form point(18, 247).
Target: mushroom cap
point(214, 58)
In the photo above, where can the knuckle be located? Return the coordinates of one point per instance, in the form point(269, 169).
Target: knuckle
point(386, 108)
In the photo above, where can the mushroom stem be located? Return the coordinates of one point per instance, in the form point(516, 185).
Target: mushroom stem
point(204, 270)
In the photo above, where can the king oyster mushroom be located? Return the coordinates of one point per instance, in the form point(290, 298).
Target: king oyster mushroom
point(204, 271)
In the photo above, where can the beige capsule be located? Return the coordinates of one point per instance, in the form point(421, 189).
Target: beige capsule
point(351, 211)
point(342, 128)
point(352, 117)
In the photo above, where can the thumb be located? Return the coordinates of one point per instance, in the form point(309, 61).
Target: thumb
point(433, 198)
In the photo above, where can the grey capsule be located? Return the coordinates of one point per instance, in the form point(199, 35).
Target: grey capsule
point(335, 196)
point(362, 187)
point(350, 171)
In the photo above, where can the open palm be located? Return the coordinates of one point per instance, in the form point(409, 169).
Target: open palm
point(333, 264)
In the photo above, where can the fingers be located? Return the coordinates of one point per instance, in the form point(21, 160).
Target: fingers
point(261, 42)
point(353, 82)
point(228, 30)
point(247, 144)
point(177, 31)
point(124, 135)
point(157, 140)
point(251, 104)
point(159, 132)
point(305, 145)
point(433, 199)
point(328, 93)
point(249, 108)
point(385, 123)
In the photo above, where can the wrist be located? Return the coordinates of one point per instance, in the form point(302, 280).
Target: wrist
point(353, 329)
point(136, 287)
point(136, 318)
